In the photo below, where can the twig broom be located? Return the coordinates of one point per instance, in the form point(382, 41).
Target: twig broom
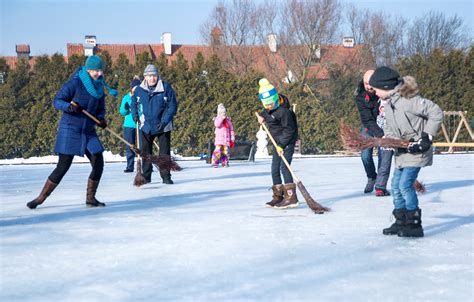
point(164, 162)
point(352, 140)
point(313, 205)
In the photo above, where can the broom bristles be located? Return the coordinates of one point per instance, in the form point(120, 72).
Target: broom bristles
point(165, 162)
point(352, 140)
point(312, 204)
point(139, 179)
point(419, 186)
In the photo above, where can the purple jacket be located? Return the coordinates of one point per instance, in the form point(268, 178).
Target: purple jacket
point(224, 135)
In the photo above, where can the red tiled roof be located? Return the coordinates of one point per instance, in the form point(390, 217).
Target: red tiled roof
point(22, 48)
point(12, 61)
point(262, 59)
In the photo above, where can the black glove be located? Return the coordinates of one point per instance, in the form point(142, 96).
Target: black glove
point(402, 150)
point(161, 127)
point(102, 124)
point(422, 145)
point(127, 106)
point(74, 108)
point(136, 119)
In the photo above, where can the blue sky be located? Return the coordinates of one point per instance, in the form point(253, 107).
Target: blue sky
point(48, 25)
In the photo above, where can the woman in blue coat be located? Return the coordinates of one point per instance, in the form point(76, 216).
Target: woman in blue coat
point(76, 132)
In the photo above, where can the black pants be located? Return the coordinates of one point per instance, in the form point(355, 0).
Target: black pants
point(279, 166)
point(164, 141)
point(65, 161)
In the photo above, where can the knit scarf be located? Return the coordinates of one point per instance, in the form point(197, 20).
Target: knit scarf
point(94, 87)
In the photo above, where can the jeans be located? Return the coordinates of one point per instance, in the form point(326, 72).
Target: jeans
point(403, 190)
point(130, 135)
point(368, 162)
point(279, 166)
point(384, 164)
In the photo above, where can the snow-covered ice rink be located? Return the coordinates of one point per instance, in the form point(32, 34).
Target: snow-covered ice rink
point(209, 237)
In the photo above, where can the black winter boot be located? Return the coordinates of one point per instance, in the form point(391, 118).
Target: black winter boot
point(400, 218)
point(90, 195)
point(48, 187)
point(277, 196)
point(290, 199)
point(369, 187)
point(166, 176)
point(413, 226)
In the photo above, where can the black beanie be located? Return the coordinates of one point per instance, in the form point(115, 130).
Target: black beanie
point(384, 78)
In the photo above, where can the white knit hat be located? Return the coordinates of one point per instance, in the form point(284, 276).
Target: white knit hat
point(221, 108)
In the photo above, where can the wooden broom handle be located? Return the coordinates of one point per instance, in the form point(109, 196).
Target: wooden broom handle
point(106, 128)
point(281, 155)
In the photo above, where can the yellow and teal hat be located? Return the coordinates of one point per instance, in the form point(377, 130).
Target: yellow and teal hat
point(266, 92)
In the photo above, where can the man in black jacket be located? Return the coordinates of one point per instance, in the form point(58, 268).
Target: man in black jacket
point(370, 109)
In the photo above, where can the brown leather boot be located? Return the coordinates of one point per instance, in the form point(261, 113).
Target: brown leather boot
point(49, 187)
point(90, 197)
point(290, 200)
point(277, 196)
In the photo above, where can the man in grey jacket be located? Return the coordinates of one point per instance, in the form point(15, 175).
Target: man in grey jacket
point(410, 117)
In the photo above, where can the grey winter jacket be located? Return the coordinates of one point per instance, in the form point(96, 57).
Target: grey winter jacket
point(407, 115)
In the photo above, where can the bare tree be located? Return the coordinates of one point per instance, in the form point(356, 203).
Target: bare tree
point(382, 34)
point(234, 27)
point(304, 27)
point(435, 30)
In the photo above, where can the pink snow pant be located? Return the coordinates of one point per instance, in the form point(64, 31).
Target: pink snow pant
point(221, 154)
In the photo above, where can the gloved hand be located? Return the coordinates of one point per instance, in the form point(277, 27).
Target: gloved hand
point(161, 127)
point(136, 119)
point(279, 149)
point(232, 144)
point(127, 106)
point(402, 150)
point(422, 145)
point(102, 124)
point(74, 108)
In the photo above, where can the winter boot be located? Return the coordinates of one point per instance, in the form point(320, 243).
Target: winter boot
point(413, 226)
point(49, 187)
point(90, 197)
point(290, 199)
point(400, 218)
point(369, 187)
point(277, 196)
point(166, 176)
point(381, 192)
point(168, 181)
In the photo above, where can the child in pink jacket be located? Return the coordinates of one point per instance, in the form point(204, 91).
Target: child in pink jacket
point(224, 138)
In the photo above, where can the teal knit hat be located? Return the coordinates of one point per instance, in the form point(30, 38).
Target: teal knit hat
point(94, 63)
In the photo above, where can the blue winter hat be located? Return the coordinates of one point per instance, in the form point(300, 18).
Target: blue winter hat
point(94, 63)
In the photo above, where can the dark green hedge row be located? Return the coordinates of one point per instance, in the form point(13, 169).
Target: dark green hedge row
point(29, 120)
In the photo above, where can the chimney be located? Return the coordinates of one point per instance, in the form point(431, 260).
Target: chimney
point(348, 42)
point(166, 38)
point(216, 36)
point(23, 51)
point(317, 52)
point(272, 42)
point(89, 45)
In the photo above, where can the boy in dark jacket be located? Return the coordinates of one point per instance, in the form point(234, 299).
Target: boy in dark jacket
point(282, 125)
